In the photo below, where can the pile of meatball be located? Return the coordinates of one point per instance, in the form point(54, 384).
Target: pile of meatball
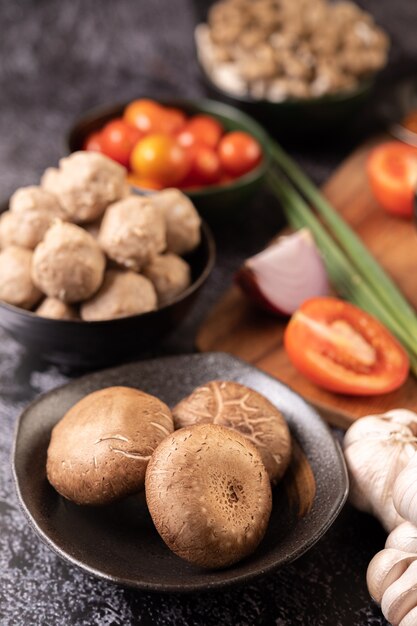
point(283, 49)
point(80, 245)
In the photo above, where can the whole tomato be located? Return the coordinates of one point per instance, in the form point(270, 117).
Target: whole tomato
point(205, 165)
point(160, 158)
point(118, 140)
point(94, 142)
point(144, 183)
point(146, 115)
point(201, 129)
point(173, 121)
point(239, 153)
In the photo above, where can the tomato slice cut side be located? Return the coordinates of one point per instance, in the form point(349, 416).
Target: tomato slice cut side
point(341, 348)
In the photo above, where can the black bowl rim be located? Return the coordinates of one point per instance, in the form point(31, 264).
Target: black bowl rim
point(204, 105)
point(339, 96)
point(211, 258)
point(337, 505)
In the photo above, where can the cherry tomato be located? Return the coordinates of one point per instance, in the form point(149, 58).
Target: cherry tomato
point(174, 120)
point(118, 139)
point(392, 173)
point(160, 158)
point(341, 348)
point(144, 183)
point(239, 153)
point(94, 142)
point(201, 129)
point(146, 115)
point(205, 165)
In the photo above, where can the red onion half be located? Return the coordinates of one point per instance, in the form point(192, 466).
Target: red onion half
point(281, 277)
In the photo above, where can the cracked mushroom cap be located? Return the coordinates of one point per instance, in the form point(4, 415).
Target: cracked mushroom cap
point(16, 284)
point(181, 219)
point(99, 450)
point(235, 406)
point(68, 264)
point(132, 232)
point(122, 293)
point(85, 184)
point(209, 495)
point(169, 274)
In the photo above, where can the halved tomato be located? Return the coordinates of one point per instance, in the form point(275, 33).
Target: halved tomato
point(341, 348)
point(392, 173)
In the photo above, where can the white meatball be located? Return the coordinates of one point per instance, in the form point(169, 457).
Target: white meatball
point(25, 229)
point(85, 184)
point(16, 285)
point(122, 293)
point(35, 198)
point(181, 219)
point(55, 309)
point(68, 264)
point(132, 232)
point(170, 275)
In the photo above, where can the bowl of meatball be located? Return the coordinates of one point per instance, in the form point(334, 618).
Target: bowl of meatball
point(92, 274)
point(298, 65)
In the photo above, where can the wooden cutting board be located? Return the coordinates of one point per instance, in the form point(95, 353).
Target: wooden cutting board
point(235, 326)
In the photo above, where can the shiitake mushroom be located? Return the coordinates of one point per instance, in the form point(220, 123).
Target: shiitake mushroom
point(236, 406)
point(99, 450)
point(209, 495)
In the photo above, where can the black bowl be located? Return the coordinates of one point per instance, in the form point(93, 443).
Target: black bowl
point(395, 105)
point(216, 203)
point(87, 345)
point(119, 542)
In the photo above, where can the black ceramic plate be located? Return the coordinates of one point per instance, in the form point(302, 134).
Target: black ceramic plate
point(119, 542)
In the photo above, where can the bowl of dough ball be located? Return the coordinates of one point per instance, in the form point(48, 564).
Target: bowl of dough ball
point(299, 65)
point(90, 273)
point(216, 154)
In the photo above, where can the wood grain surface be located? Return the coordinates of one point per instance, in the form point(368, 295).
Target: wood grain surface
point(234, 325)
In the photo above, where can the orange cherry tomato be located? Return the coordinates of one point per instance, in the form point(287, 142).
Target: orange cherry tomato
point(392, 173)
point(118, 139)
point(160, 158)
point(201, 129)
point(341, 348)
point(146, 115)
point(94, 142)
point(205, 165)
point(144, 183)
point(239, 153)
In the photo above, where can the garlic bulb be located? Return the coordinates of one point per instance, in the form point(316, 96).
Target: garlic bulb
point(377, 448)
point(404, 538)
point(385, 569)
point(405, 491)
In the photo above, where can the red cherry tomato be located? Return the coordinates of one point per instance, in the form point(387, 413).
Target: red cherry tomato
point(160, 158)
point(392, 173)
point(205, 165)
point(146, 115)
point(341, 348)
point(201, 129)
point(94, 142)
point(174, 120)
point(239, 153)
point(118, 140)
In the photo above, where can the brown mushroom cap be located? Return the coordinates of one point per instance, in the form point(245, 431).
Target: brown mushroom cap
point(122, 293)
point(68, 264)
point(99, 451)
point(16, 285)
point(55, 309)
point(209, 495)
point(235, 406)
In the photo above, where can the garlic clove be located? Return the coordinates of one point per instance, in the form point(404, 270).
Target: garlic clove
point(403, 416)
point(410, 619)
point(385, 568)
point(404, 537)
point(401, 597)
point(405, 491)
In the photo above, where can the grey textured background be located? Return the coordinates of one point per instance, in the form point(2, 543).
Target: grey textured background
point(58, 58)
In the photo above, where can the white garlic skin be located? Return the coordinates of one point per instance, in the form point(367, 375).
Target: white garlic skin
point(401, 597)
point(377, 449)
point(385, 568)
point(403, 537)
point(405, 492)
